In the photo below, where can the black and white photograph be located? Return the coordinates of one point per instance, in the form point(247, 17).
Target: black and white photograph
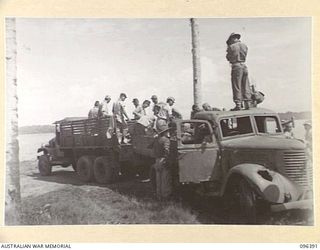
point(159, 121)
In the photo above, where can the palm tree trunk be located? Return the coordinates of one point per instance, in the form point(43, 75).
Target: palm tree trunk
point(196, 62)
point(13, 198)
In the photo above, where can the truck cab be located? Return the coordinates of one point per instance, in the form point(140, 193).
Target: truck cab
point(245, 152)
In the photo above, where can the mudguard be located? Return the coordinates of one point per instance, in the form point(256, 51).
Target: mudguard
point(42, 149)
point(270, 185)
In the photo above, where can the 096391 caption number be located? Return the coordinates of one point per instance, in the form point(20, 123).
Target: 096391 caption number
point(309, 246)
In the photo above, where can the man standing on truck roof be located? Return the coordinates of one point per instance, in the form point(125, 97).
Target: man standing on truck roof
point(93, 113)
point(120, 113)
point(163, 180)
point(104, 107)
point(236, 55)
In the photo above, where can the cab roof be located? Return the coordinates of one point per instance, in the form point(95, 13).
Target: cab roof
point(215, 115)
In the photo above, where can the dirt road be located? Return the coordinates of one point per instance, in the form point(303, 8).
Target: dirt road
point(128, 201)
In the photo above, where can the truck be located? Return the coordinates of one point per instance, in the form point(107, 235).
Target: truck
point(240, 156)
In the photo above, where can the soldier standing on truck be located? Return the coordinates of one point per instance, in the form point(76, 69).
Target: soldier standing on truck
point(236, 55)
point(195, 109)
point(206, 107)
point(120, 114)
point(138, 111)
point(161, 117)
point(145, 121)
point(104, 107)
point(172, 111)
point(163, 180)
point(93, 113)
point(155, 101)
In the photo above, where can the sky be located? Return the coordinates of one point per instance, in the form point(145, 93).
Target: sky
point(64, 65)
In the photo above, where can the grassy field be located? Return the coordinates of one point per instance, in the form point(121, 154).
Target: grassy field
point(72, 206)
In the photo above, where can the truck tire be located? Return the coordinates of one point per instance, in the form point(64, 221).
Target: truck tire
point(74, 167)
point(104, 170)
point(44, 165)
point(85, 168)
point(247, 202)
point(240, 202)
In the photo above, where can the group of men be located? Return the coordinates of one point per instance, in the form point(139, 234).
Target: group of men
point(152, 114)
point(288, 132)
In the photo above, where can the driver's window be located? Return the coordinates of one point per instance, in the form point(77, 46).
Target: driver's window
point(236, 126)
point(195, 133)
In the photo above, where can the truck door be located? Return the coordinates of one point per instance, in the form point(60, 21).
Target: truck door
point(197, 151)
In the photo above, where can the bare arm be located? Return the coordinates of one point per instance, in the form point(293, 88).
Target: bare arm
point(124, 112)
point(137, 112)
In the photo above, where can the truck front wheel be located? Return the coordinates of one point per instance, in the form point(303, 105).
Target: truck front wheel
point(85, 168)
point(104, 170)
point(247, 202)
point(44, 165)
point(240, 202)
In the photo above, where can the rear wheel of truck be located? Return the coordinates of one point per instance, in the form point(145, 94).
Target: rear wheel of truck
point(44, 165)
point(85, 168)
point(104, 170)
point(74, 167)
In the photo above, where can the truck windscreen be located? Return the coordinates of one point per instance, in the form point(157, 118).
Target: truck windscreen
point(268, 124)
point(236, 126)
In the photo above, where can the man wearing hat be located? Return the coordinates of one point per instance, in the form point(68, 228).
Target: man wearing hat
point(287, 129)
point(155, 101)
point(236, 55)
point(163, 178)
point(120, 113)
point(104, 107)
point(173, 113)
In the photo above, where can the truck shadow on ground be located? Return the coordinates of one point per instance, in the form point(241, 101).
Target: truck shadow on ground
point(60, 177)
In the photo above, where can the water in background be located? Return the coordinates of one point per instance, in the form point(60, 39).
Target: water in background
point(29, 143)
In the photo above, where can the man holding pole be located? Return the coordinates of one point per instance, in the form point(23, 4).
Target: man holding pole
point(236, 55)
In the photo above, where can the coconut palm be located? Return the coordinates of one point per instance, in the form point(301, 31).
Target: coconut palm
point(13, 198)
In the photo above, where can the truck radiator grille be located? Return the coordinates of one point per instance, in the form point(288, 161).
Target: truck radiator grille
point(298, 168)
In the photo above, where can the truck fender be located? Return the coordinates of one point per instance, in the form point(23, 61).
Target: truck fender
point(42, 149)
point(270, 185)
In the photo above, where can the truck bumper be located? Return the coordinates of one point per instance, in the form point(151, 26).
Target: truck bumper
point(301, 204)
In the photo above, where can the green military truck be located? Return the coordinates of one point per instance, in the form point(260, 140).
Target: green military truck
point(242, 156)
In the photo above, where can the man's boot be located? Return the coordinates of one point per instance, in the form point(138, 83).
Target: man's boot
point(237, 107)
point(247, 105)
